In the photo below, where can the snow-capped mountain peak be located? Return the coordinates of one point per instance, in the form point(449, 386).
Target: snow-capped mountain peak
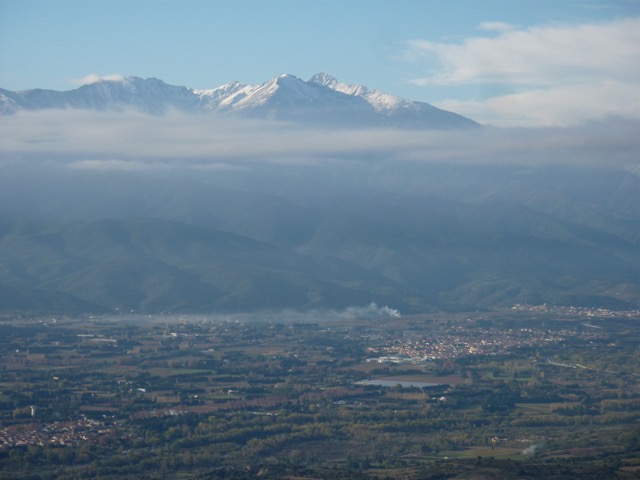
point(324, 79)
point(331, 82)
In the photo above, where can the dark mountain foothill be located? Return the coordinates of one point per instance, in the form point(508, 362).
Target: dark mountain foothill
point(125, 241)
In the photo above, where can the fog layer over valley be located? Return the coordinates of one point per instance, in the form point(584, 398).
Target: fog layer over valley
point(112, 212)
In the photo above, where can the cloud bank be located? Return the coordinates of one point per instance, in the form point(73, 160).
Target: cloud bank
point(138, 142)
point(558, 75)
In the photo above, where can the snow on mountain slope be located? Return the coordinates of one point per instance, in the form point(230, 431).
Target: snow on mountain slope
point(8, 105)
point(380, 101)
point(149, 95)
point(211, 99)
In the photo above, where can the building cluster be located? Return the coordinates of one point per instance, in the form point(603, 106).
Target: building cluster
point(576, 311)
point(449, 343)
point(71, 433)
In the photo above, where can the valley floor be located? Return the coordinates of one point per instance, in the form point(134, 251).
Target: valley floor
point(507, 394)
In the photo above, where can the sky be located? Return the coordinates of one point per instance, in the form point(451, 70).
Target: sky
point(524, 63)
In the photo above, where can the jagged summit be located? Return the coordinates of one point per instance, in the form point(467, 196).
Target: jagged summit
point(323, 78)
point(333, 83)
point(322, 101)
point(380, 101)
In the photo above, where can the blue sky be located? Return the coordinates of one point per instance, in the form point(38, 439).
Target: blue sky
point(553, 62)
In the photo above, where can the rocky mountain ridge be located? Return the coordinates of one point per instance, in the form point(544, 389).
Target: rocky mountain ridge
point(323, 101)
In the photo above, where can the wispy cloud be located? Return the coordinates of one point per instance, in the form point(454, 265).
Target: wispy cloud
point(118, 165)
point(496, 26)
point(94, 77)
point(557, 74)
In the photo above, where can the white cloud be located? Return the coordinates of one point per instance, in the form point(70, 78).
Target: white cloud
point(539, 55)
point(558, 74)
point(94, 77)
point(370, 311)
point(563, 105)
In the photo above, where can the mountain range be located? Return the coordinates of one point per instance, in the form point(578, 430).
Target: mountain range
point(322, 100)
point(434, 220)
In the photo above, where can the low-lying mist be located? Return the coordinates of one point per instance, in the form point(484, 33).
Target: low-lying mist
point(352, 313)
point(130, 141)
